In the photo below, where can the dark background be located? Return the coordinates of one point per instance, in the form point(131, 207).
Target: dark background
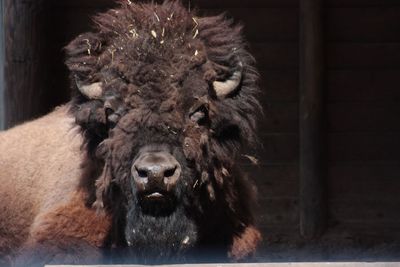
point(361, 111)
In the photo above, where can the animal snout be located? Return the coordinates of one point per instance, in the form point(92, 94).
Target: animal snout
point(156, 171)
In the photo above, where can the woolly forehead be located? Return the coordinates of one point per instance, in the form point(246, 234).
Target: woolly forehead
point(151, 53)
point(161, 38)
point(130, 18)
point(154, 69)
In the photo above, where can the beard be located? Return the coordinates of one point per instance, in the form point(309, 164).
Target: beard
point(159, 239)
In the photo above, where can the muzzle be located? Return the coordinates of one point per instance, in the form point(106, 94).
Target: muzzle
point(156, 175)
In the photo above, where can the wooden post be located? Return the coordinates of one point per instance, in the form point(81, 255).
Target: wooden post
point(23, 68)
point(312, 181)
point(2, 61)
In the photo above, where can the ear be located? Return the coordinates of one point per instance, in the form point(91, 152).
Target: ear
point(83, 56)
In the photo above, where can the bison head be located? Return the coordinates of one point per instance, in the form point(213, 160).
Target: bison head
point(166, 101)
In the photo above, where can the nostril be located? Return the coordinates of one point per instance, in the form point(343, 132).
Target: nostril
point(154, 171)
point(170, 172)
point(141, 173)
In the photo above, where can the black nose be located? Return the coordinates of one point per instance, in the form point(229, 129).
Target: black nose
point(156, 171)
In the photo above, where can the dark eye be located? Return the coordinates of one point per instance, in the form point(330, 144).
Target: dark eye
point(109, 111)
point(112, 117)
point(200, 116)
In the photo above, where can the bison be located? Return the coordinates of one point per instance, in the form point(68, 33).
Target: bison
point(142, 163)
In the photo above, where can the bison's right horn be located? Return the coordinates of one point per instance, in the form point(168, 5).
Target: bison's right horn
point(92, 91)
point(224, 88)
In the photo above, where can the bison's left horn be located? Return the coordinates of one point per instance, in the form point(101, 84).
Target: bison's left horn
point(225, 88)
point(92, 91)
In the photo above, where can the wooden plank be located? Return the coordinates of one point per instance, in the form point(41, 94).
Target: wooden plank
point(275, 180)
point(362, 3)
point(267, 174)
point(311, 196)
point(278, 189)
point(364, 147)
point(362, 211)
point(276, 56)
point(349, 85)
point(385, 86)
point(2, 61)
point(364, 24)
point(365, 182)
point(364, 171)
point(363, 55)
point(279, 148)
point(292, 264)
point(388, 190)
point(279, 85)
point(281, 117)
point(278, 211)
point(265, 24)
point(67, 23)
point(370, 86)
point(347, 189)
point(277, 186)
point(364, 117)
point(340, 56)
point(360, 233)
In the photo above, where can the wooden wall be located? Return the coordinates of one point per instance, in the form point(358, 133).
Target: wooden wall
point(363, 114)
point(361, 95)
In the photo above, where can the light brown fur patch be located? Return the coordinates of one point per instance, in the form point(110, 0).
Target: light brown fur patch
point(72, 220)
point(39, 166)
point(246, 244)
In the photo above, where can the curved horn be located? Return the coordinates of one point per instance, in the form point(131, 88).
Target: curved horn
point(92, 91)
point(224, 88)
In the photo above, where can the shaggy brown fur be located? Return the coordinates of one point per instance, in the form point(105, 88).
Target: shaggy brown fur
point(156, 65)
